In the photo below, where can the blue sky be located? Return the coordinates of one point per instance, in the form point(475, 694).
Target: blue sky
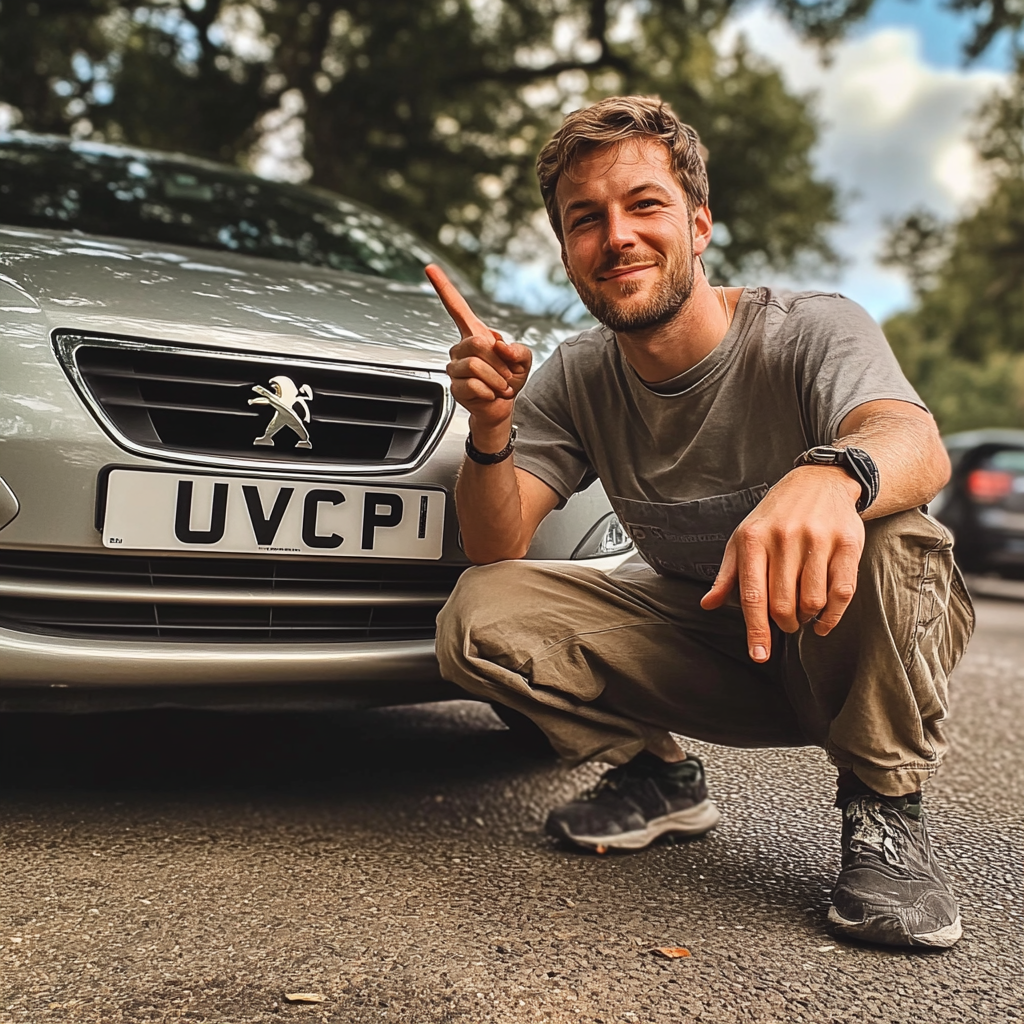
point(896, 103)
point(941, 32)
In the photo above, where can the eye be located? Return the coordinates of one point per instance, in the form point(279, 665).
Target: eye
point(581, 221)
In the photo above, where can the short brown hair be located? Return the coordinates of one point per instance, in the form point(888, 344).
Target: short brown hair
point(617, 119)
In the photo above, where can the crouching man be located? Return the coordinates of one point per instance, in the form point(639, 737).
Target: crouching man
point(770, 461)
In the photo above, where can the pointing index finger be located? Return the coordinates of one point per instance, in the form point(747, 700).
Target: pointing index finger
point(458, 308)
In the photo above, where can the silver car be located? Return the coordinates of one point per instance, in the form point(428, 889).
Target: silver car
point(227, 447)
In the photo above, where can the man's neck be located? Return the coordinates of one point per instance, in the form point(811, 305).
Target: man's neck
point(663, 352)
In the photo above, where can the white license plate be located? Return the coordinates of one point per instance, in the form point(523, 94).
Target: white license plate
point(177, 512)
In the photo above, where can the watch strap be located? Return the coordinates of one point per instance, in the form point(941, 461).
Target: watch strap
point(857, 462)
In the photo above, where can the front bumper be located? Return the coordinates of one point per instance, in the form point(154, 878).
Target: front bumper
point(81, 673)
point(59, 674)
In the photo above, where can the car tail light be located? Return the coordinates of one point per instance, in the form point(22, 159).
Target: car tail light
point(986, 485)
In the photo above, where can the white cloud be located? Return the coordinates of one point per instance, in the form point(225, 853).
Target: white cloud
point(894, 136)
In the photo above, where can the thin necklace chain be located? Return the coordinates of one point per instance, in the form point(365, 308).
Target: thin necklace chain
point(725, 306)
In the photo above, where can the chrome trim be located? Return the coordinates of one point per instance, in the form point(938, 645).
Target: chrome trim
point(66, 343)
point(9, 504)
point(29, 659)
point(34, 589)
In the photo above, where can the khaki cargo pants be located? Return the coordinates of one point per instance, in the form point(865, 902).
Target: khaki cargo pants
point(608, 665)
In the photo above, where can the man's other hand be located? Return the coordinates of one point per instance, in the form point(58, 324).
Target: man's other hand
point(795, 557)
point(486, 372)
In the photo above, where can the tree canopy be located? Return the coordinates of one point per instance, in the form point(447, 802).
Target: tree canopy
point(431, 110)
point(963, 341)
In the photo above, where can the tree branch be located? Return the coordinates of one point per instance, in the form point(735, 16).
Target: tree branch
point(519, 75)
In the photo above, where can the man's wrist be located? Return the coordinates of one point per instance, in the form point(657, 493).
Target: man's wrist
point(855, 462)
point(488, 438)
point(839, 476)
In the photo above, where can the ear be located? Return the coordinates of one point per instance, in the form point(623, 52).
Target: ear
point(701, 226)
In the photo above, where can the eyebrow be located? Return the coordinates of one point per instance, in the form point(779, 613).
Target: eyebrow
point(647, 186)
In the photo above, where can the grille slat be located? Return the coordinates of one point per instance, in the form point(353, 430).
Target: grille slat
point(194, 403)
point(132, 374)
point(131, 597)
point(407, 400)
point(141, 403)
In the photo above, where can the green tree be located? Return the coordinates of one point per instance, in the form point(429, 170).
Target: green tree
point(963, 342)
point(431, 109)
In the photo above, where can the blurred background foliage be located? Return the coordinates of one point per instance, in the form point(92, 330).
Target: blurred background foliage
point(962, 343)
point(433, 111)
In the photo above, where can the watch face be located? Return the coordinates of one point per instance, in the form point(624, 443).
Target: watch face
point(824, 456)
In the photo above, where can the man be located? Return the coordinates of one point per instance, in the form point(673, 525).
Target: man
point(764, 445)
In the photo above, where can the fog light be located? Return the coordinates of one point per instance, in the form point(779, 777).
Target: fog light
point(608, 537)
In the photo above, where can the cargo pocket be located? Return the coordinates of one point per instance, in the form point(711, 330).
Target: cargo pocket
point(686, 538)
point(945, 614)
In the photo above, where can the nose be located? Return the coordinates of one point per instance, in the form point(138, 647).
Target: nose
point(621, 236)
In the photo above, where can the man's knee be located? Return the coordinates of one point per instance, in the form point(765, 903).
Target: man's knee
point(907, 573)
point(899, 543)
point(478, 610)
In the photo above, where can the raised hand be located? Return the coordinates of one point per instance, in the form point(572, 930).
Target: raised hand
point(486, 371)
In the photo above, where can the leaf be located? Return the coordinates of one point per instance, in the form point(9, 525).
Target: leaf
point(305, 997)
point(671, 952)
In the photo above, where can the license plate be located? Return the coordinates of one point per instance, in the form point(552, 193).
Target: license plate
point(171, 512)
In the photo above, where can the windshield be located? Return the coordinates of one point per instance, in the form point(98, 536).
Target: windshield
point(52, 183)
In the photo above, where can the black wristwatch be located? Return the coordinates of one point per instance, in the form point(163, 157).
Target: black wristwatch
point(488, 458)
point(855, 461)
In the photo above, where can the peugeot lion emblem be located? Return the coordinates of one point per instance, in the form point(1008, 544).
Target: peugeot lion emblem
point(284, 397)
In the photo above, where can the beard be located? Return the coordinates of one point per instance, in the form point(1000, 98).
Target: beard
point(667, 298)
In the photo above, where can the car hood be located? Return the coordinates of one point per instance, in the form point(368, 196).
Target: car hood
point(222, 300)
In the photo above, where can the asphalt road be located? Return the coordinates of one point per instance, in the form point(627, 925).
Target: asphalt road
point(197, 867)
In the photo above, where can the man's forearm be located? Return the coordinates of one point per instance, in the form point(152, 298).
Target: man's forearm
point(912, 462)
point(490, 512)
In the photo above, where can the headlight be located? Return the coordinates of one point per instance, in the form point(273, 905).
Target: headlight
point(608, 537)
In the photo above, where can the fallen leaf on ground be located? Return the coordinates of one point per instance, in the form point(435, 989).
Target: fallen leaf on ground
point(305, 997)
point(671, 952)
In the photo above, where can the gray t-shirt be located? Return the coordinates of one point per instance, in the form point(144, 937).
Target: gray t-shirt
point(684, 461)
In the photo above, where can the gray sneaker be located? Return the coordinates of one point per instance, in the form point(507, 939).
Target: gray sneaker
point(891, 889)
point(634, 804)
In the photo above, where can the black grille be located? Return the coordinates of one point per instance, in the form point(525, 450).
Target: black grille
point(380, 617)
point(199, 405)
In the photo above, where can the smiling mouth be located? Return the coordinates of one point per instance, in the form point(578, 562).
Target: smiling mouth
point(624, 271)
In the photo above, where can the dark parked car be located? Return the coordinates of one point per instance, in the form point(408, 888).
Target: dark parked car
point(983, 504)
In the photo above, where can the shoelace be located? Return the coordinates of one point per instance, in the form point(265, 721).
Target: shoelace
point(610, 780)
point(872, 828)
point(616, 776)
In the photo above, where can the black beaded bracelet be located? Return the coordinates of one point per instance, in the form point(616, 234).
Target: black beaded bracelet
point(487, 458)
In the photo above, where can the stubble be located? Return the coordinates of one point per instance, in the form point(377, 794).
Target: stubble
point(662, 305)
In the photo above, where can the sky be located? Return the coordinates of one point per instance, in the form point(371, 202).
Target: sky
point(896, 103)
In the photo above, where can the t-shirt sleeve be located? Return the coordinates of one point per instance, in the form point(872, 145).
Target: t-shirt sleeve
point(844, 361)
point(548, 443)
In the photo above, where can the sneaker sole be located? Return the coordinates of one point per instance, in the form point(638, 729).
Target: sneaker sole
point(890, 931)
point(694, 821)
